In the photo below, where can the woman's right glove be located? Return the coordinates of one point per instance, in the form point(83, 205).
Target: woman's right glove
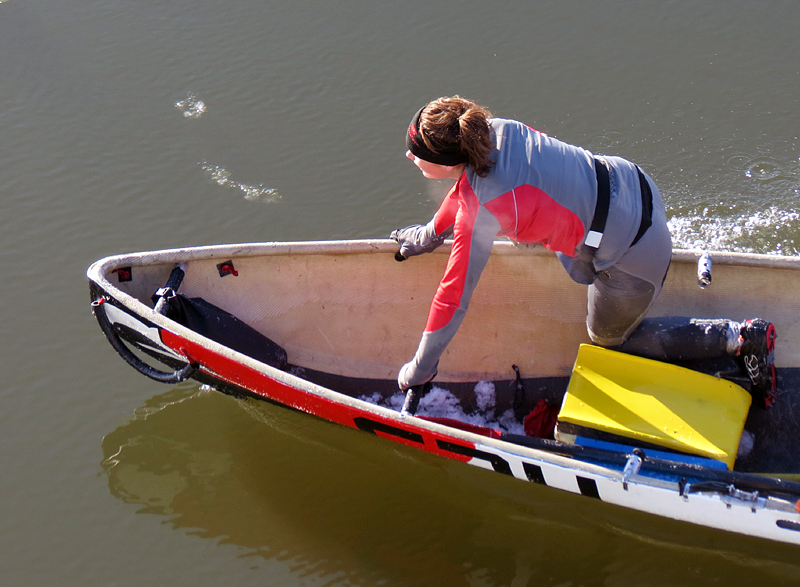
point(411, 375)
point(415, 240)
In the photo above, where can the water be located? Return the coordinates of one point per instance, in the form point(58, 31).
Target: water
point(136, 125)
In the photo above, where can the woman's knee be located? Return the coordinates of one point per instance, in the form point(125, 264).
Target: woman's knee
point(617, 303)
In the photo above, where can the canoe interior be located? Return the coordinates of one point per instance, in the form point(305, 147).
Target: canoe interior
point(349, 315)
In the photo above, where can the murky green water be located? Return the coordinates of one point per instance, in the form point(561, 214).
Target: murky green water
point(136, 125)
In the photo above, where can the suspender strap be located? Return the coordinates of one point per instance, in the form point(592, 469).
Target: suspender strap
point(595, 234)
point(647, 206)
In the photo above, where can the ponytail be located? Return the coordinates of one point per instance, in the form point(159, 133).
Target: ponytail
point(453, 123)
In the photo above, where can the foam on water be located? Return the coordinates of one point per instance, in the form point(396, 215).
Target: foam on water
point(765, 231)
point(192, 106)
point(222, 176)
point(441, 403)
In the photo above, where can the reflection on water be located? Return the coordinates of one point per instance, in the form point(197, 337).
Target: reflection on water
point(343, 508)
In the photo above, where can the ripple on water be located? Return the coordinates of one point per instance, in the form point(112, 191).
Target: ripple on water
point(763, 168)
point(607, 141)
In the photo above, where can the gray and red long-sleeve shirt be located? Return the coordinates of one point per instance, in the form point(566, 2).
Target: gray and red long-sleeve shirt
point(540, 190)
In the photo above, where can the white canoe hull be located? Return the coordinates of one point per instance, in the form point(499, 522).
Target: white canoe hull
point(349, 310)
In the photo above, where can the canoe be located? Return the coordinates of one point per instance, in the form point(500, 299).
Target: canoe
point(323, 327)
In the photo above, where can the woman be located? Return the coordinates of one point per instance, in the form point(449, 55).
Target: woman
point(602, 216)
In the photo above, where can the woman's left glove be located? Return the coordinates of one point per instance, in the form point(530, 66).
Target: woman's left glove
point(415, 240)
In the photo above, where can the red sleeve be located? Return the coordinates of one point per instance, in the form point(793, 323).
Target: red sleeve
point(463, 205)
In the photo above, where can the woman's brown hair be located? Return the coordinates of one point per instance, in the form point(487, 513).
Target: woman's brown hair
point(454, 120)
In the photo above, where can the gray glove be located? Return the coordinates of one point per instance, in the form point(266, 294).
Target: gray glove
point(411, 375)
point(415, 240)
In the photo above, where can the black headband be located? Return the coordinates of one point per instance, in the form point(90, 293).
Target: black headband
point(449, 155)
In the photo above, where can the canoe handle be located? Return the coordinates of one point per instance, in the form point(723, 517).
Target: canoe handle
point(413, 395)
point(163, 295)
point(123, 351)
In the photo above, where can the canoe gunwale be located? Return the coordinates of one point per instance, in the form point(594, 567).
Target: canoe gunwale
point(387, 246)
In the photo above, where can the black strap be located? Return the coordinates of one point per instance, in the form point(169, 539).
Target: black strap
point(647, 206)
point(595, 234)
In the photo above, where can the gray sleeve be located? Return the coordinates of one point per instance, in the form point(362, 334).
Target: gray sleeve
point(424, 366)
